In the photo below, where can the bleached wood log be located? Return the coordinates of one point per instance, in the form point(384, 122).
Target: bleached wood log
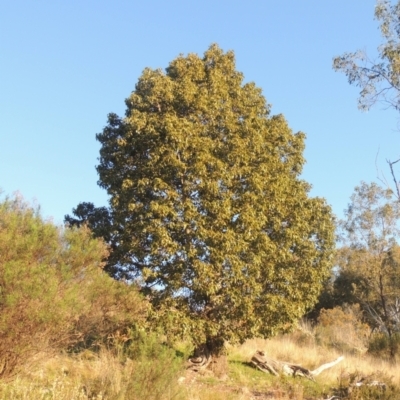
point(323, 367)
point(268, 365)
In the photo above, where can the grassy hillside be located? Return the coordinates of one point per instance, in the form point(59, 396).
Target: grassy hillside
point(153, 371)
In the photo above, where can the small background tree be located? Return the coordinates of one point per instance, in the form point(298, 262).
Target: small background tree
point(369, 259)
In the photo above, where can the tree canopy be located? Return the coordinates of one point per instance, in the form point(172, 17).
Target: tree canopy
point(207, 206)
point(378, 80)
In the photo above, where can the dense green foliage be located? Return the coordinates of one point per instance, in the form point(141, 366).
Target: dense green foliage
point(53, 292)
point(207, 208)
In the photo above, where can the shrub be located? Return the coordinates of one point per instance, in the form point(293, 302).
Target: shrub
point(155, 368)
point(53, 292)
point(381, 345)
point(343, 329)
point(376, 386)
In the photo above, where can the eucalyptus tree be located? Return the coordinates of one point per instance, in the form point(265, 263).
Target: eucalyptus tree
point(378, 79)
point(208, 210)
point(370, 257)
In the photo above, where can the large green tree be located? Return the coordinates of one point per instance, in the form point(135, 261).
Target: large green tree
point(207, 207)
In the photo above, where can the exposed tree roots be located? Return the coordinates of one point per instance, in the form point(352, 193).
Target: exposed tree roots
point(200, 360)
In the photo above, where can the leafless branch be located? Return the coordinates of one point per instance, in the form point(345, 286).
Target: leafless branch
point(391, 163)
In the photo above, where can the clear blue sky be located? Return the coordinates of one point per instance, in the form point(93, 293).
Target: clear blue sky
point(64, 65)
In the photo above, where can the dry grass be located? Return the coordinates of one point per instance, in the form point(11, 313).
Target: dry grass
point(92, 376)
point(105, 376)
point(300, 348)
point(284, 349)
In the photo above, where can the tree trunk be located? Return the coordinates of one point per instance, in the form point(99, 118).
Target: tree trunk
point(201, 359)
point(205, 353)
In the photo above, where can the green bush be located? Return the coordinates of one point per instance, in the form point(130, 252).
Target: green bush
point(155, 368)
point(380, 345)
point(53, 292)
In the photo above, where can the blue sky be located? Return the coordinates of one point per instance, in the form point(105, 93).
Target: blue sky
point(64, 65)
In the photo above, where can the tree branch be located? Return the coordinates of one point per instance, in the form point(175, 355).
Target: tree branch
point(391, 163)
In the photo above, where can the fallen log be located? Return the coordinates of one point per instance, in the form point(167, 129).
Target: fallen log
point(274, 367)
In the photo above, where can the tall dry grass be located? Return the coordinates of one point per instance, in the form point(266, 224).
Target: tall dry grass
point(311, 356)
point(96, 376)
point(152, 371)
